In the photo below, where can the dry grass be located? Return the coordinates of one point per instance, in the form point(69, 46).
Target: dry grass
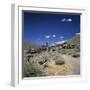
point(70, 67)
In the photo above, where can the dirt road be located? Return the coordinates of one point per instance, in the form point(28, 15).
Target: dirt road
point(75, 62)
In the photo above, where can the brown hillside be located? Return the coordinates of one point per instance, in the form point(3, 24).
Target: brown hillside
point(30, 45)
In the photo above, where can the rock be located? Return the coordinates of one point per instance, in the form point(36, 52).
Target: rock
point(60, 62)
point(76, 55)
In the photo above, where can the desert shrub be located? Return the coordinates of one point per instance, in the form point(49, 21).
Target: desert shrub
point(78, 48)
point(69, 53)
point(45, 65)
point(76, 55)
point(63, 51)
point(60, 62)
point(33, 69)
point(41, 62)
point(53, 50)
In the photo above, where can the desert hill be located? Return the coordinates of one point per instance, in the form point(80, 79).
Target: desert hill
point(55, 60)
point(75, 40)
point(30, 45)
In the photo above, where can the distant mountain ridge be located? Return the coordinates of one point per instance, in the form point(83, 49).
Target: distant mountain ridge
point(73, 41)
point(57, 43)
point(28, 45)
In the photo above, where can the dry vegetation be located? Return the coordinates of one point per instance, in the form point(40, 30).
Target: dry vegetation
point(56, 62)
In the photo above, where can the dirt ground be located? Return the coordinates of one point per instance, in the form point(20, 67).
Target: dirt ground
point(71, 66)
point(75, 62)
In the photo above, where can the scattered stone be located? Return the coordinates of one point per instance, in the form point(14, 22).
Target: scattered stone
point(60, 62)
point(76, 55)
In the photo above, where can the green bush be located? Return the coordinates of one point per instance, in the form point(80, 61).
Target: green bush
point(33, 69)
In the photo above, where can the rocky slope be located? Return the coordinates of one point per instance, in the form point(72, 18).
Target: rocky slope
point(56, 61)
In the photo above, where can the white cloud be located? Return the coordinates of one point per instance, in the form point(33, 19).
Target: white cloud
point(66, 20)
point(69, 19)
point(63, 19)
point(54, 35)
point(77, 33)
point(47, 36)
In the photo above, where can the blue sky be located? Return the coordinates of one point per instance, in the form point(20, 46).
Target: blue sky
point(40, 28)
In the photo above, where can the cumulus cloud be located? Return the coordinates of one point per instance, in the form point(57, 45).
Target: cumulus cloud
point(63, 19)
point(54, 35)
point(47, 36)
point(66, 20)
point(77, 33)
point(69, 19)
